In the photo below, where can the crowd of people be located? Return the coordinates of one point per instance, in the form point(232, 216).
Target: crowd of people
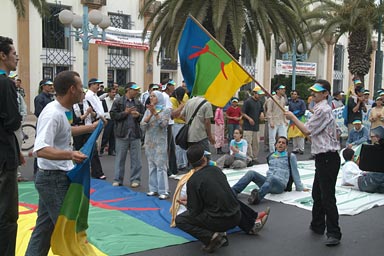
point(204, 204)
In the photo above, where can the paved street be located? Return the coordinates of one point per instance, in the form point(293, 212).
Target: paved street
point(286, 232)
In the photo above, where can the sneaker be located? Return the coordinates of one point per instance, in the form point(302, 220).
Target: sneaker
point(102, 177)
point(216, 242)
point(135, 185)
point(152, 193)
point(163, 196)
point(259, 224)
point(254, 197)
point(332, 241)
point(260, 215)
point(116, 184)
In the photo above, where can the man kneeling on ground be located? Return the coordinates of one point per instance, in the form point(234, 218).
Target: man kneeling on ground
point(281, 165)
point(212, 208)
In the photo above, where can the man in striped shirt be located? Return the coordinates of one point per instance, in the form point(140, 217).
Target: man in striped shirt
point(321, 128)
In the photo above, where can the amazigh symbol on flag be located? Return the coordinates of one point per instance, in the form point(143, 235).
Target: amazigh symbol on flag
point(201, 72)
point(206, 50)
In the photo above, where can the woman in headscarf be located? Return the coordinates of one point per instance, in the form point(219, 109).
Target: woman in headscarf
point(154, 123)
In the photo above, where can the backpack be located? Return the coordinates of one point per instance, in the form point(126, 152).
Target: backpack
point(290, 180)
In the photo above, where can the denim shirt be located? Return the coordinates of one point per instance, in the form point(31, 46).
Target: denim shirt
point(358, 137)
point(279, 168)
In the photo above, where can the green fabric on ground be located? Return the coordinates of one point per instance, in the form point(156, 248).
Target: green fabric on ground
point(114, 232)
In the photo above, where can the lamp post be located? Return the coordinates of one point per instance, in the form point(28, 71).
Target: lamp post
point(83, 32)
point(378, 57)
point(296, 54)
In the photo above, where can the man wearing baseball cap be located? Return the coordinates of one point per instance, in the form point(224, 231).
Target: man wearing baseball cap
point(168, 88)
point(127, 112)
point(321, 128)
point(277, 124)
point(44, 97)
point(91, 96)
point(358, 135)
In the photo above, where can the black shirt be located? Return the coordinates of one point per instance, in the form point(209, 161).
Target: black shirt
point(209, 193)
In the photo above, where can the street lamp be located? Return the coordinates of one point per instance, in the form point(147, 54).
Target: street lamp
point(297, 54)
point(83, 31)
point(379, 56)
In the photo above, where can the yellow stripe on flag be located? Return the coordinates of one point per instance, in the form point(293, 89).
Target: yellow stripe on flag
point(222, 89)
point(76, 243)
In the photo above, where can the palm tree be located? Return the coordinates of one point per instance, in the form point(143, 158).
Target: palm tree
point(356, 18)
point(41, 6)
point(230, 21)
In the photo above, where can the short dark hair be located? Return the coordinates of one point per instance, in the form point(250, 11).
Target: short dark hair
point(324, 83)
point(5, 44)
point(282, 137)
point(348, 154)
point(18, 79)
point(195, 154)
point(63, 81)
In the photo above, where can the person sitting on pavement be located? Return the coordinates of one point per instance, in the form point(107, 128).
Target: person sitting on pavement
point(373, 182)
point(212, 208)
point(281, 165)
point(358, 135)
point(350, 170)
point(237, 157)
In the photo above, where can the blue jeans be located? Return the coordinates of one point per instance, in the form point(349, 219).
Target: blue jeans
point(372, 182)
point(122, 147)
point(181, 154)
point(9, 210)
point(266, 184)
point(52, 187)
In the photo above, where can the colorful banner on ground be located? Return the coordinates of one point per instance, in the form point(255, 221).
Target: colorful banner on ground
point(69, 236)
point(207, 68)
point(121, 221)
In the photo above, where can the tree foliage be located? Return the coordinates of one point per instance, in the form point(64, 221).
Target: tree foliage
point(40, 5)
point(229, 21)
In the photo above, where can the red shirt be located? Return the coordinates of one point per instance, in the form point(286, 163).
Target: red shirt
point(233, 112)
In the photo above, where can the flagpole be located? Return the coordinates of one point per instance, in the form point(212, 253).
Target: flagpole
point(225, 50)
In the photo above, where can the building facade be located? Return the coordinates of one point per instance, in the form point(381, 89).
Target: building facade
point(44, 50)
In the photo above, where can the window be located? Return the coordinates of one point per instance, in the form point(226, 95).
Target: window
point(119, 59)
point(53, 30)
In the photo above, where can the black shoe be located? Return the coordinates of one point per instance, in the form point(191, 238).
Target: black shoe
point(295, 151)
point(254, 197)
point(216, 242)
point(332, 241)
point(301, 152)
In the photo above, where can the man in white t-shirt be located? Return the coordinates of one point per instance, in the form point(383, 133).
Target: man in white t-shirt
point(55, 157)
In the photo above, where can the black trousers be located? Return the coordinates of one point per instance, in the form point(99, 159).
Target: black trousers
point(96, 168)
point(172, 164)
point(109, 137)
point(9, 210)
point(204, 226)
point(324, 211)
